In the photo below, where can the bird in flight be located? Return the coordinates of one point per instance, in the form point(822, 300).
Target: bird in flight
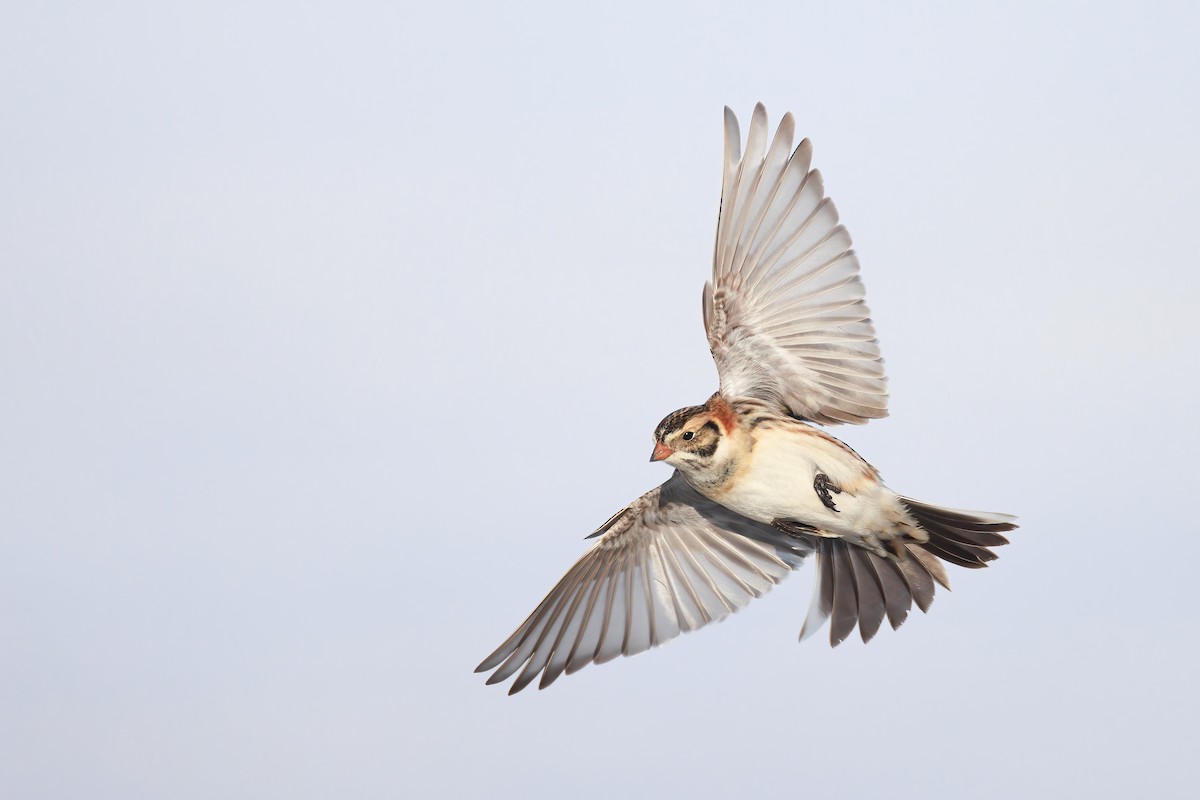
point(757, 489)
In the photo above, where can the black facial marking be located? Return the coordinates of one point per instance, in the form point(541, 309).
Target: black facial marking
point(707, 439)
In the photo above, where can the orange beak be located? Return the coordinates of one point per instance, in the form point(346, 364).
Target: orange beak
point(661, 451)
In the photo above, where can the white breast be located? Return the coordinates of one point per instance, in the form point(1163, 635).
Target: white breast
point(778, 484)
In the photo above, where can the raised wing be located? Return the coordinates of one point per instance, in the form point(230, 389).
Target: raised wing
point(670, 562)
point(784, 312)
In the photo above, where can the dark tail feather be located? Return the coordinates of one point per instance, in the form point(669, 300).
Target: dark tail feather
point(855, 586)
point(960, 537)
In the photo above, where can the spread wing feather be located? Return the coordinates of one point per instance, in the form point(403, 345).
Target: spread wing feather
point(670, 562)
point(784, 312)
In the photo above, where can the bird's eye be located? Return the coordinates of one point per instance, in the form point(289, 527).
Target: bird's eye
point(687, 436)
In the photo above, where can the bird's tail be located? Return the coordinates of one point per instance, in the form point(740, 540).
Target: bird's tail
point(960, 537)
point(856, 586)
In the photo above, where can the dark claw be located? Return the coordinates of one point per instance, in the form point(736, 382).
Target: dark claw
point(824, 486)
point(794, 529)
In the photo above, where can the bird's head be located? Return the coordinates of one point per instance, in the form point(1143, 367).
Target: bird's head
point(689, 438)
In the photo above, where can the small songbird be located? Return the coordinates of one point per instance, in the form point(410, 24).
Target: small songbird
point(756, 488)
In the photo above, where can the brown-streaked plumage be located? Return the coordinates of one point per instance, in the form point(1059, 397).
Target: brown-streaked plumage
point(757, 489)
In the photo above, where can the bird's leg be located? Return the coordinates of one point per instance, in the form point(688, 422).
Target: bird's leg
point(801, 530)
point(797, 530)
point(824, 486)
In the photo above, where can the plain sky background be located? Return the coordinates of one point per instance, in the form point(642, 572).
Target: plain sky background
point(328, 331)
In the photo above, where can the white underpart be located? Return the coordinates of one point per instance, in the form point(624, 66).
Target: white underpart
point(778, 484)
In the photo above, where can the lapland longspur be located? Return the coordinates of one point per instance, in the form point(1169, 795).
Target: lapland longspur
point(757, 489)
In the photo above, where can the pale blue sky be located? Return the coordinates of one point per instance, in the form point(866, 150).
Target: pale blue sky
point(327, 333)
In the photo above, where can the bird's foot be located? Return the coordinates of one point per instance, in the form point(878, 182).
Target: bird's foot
point(823, 487)
point(797, 530)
